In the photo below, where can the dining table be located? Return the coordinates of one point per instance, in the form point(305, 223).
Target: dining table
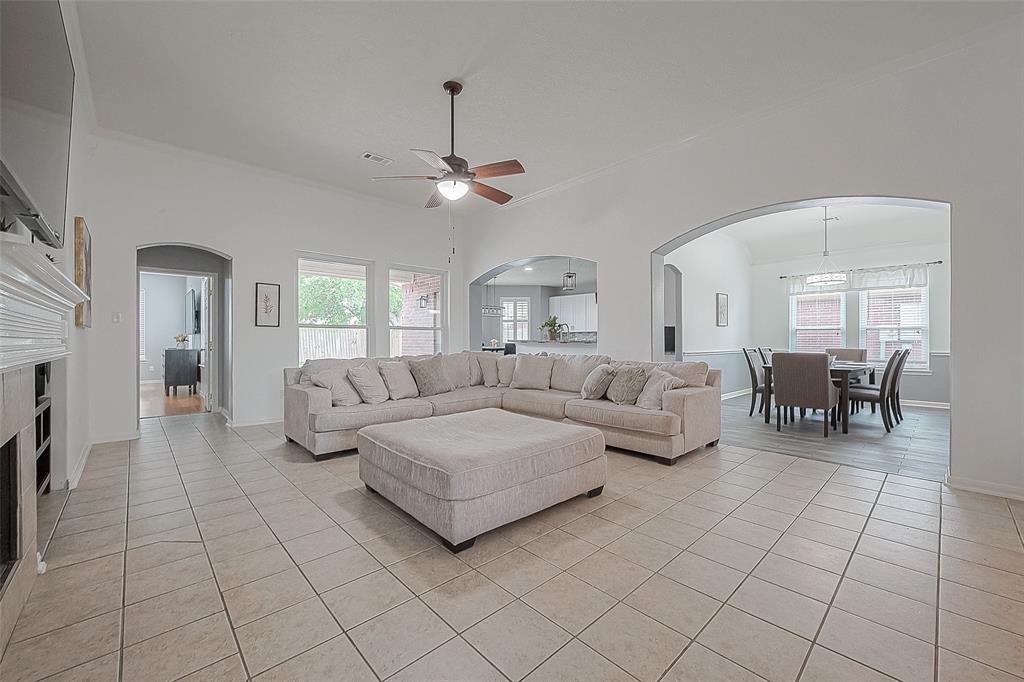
point(843, 372)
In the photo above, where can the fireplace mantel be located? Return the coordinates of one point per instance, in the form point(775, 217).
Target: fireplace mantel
point(37, 301)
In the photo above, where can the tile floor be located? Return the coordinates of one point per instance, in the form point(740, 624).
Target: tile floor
point(204, 553)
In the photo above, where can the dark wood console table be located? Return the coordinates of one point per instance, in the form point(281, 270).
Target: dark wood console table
point(181, 368)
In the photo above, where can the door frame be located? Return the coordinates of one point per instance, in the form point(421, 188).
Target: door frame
point(212, 341)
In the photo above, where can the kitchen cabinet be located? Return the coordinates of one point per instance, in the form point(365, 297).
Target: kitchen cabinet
point(579, 311)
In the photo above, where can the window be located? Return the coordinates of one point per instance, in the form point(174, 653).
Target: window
point(142, 325)
point(415, 312)
point(817, 322)
point(332, 310)
point(893, 319)
point(515, 319)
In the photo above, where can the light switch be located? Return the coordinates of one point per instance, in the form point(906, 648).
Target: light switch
point(116, 318)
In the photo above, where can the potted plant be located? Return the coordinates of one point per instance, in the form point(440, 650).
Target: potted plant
point(553, 326)
point(181, 339)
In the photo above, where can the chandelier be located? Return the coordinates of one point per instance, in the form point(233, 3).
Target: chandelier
point(569, 278)
point(826, 275)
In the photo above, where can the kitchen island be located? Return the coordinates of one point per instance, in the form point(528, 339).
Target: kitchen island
point(563, 348)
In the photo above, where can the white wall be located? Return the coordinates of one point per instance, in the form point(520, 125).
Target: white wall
point(165, 318)
point(946, 126)
point(715, 263)
point(141, 193)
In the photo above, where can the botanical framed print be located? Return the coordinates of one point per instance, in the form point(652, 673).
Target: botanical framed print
point(83, 271)
point(268, 305)
point(722, 310)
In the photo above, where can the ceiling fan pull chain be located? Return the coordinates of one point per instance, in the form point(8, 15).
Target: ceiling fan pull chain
point(451, 234)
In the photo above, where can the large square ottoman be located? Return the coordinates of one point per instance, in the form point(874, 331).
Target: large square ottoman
point(464, 474)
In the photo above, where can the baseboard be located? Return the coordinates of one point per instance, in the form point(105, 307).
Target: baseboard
point(118, 437)
point(1014, 492)
point(76, 475)
point(925, 403)
point(152, 381)
point(266, 422)
point(691, 353)
point(736, 394)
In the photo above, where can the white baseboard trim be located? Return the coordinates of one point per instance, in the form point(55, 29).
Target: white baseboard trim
point(118, 437)
point(926, 403)
point(687, 353)
point(76, 475)
point(736, 394)
point(1014, 492)
point(240, 425)
point(152, 381)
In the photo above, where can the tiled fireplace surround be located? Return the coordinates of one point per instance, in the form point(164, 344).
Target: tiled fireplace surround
point(18, 391)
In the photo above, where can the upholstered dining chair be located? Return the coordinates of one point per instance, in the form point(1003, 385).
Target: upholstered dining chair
point(894, 394)
point(756, 367)
point(849, 354)
point(880, 394)
point(804, 380)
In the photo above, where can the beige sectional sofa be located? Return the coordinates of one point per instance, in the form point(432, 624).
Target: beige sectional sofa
point(690, 417)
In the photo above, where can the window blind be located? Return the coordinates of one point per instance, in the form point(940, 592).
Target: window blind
point(894, 319)
point(817, 322)
point(515, 319)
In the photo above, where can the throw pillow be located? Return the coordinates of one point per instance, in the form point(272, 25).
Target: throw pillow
point(659, 382)
point(457, 366)
point(506, 368)
point(431, 376)
point(368, 384)
point(476, 375)
point(627, 384)
point(597, 382)
point(399, 380)
point(693, 373)
point(488, 367)
point(533, 371)
point(343, 393)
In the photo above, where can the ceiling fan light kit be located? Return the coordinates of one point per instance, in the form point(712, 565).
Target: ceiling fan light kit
point(456, 178)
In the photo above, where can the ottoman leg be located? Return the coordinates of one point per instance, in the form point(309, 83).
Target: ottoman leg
point(595, 492)
point(713, 443)
point(455, 549)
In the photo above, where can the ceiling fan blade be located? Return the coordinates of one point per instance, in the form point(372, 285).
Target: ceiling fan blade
point(488, 192)
point(498, 169)
point(406, 177)
point(432, 159)
point(434, 201)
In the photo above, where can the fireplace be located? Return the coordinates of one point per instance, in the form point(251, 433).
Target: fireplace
point(9, 498)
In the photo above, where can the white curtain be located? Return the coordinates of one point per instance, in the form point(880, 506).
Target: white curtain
point(891, 277)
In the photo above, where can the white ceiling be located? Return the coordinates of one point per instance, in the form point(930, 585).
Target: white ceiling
point(792, 234)
point(305, 87)
point(547, 271)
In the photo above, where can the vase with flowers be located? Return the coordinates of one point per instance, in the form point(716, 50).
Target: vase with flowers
point(181, 339)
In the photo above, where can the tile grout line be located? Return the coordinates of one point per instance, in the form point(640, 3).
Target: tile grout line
point(938, 594)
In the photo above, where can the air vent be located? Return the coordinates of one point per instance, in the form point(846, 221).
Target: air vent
point(377, 158)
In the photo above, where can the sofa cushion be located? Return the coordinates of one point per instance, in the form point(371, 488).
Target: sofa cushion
point(431, 375)
point(533, 371)
point(466, 399)
point(476, 373)
point(629, 381)
point(549, 403)
point(506, 368)
point(368, 384)
point(657, 383)
point(337, 382)
point(597, 382)
point(466, 456)
point(488, 363)
point(459, 368)
point(693, 373)
point(363, 414)
point(399, 380)
point(570, 371)
point(607, 413)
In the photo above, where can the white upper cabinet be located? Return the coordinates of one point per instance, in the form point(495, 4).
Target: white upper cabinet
point(579, 311)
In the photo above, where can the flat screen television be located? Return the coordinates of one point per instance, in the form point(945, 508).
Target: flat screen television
point(37, 85)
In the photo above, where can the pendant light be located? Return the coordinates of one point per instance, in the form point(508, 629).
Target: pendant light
point(490, 307)
point(826, 275)
point(569, 279)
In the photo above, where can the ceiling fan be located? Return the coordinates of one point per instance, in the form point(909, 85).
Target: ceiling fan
point(456, 177)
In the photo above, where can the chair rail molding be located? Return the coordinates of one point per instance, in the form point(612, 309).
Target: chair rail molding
point(37, 301)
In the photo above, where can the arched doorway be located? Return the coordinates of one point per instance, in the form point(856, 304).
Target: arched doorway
point(183, 330)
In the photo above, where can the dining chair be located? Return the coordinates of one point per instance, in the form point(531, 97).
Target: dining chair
point(880, 394)
point(757, 387)
point(510, 349)
point(804, 380)
point(896, 408)
point(766, 355)
point(849, 354)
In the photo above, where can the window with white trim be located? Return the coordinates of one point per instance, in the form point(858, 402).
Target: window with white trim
point(416, 312)
point(894, 319)
point(142, 325)
point(333, 309)
point(817, 322)
point(515, 319)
